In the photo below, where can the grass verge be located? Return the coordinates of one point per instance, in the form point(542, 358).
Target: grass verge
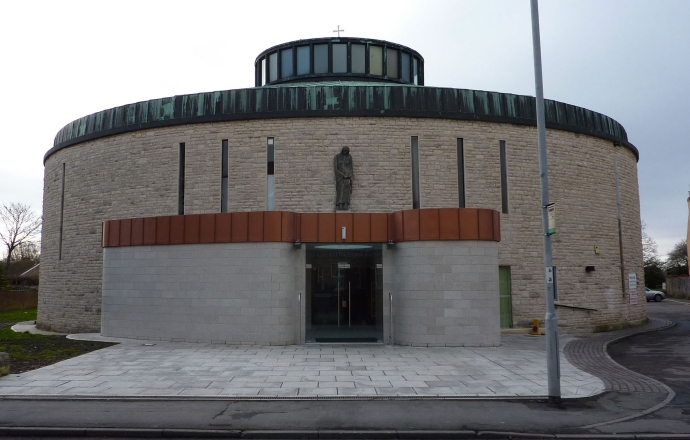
point(28, 352)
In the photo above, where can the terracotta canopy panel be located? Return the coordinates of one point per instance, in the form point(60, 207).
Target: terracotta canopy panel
point(427, 224)
point(207, 228)
point(177, 229)
point(162, 230)
point(223, 228)
point(126, 232)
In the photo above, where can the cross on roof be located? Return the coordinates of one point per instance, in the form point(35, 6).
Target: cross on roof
point(339, 31)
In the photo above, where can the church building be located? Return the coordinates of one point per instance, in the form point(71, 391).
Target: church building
point(340, 199)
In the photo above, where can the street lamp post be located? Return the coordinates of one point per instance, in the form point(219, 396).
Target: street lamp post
point(552, 360)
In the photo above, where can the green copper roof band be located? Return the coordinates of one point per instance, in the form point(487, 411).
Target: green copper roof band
point(337, 100)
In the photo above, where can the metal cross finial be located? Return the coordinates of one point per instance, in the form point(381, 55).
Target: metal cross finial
point(339, 31)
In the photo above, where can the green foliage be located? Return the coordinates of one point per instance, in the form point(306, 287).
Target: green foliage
point(8, 333)
point(654, 275)
point(36, 350)
point(14, 316)
point(28, 352)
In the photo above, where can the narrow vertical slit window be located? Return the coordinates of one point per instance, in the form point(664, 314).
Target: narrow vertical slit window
point(180, 185)
point(62, 212)
point(224, 177)
point(461, 173)
point(504, 179)
point(270, 194)
point(415, 172)
point(415, 71)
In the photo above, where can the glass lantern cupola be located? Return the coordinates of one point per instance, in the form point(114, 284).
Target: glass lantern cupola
point(325, 59)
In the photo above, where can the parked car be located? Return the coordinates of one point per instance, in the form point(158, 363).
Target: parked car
point(654, 294)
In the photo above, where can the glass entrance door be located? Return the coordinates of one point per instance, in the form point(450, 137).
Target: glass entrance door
point(344, 293)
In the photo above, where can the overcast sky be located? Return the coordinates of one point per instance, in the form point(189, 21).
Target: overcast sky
point(627, 59)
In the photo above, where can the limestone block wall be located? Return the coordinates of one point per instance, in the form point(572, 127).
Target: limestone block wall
point(136, 175)
point(446, 294)
point(235, 293)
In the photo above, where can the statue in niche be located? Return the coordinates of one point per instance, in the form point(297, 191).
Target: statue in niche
point(342, 165)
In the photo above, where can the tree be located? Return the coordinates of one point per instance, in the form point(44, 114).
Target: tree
point(677, 260)
point(649, 249)
point(27, 251)
point(4, 283)
point(19, 224)
point(654, 273)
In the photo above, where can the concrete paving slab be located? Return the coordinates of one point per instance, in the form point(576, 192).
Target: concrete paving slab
point(155, 368)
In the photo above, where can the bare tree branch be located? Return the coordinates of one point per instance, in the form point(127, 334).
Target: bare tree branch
point(649, 248)
point(18, 224)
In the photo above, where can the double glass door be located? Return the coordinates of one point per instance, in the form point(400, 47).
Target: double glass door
point(344, 293)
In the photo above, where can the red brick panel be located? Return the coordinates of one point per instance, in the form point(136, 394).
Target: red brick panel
point(398, 226)
point(177, 229)
point(114, 233)
point(207, 228)
point(255, 226)
point(137, 231)
point(429, 224)
point(289, 227)
point(410, 225)
point(449, 223)
point(191, 228)
point(239, 226)
point(361, 227)
point(309, 227)
point(327, 227)
point(223, 227)
point(162, 230)
point(469, 224)
point(379, 227)
point(497, 225)
point(272, 226)
point(149, 230)
point(343, 219)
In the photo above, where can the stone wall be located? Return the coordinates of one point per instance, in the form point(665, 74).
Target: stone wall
point(136, 174)
point(230, 293)
point(446, 294)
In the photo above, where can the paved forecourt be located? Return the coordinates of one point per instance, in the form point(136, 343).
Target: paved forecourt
point(153, 368)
